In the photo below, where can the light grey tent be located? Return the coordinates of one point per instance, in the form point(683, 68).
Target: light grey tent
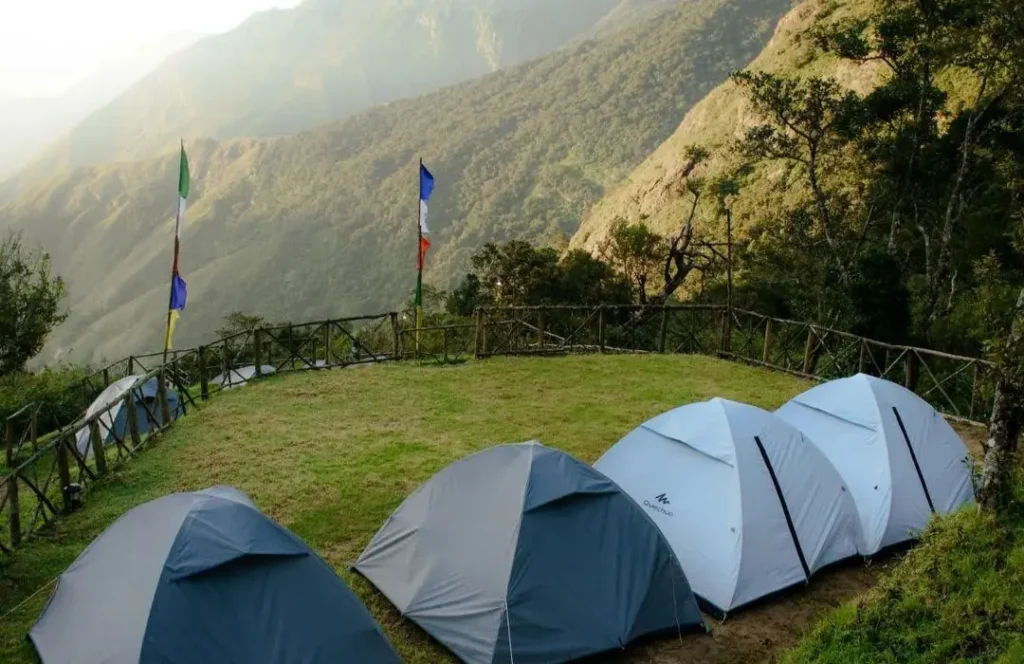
point(202, 578)
point(240, 376)
point(900, 458)
point(749, 506)
point(113, 423)
point(523, 554)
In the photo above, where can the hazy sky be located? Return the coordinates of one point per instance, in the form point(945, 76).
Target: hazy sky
point(48, 45)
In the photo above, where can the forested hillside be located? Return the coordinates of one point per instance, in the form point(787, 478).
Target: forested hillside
point(291, 70)
point(324, 222)
point(717, 123)
point(870, 159)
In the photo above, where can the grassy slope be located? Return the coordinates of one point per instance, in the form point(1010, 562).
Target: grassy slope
point(955, 598)
point(717, 122)
point(330, 455)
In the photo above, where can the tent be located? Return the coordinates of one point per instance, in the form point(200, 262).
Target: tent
point(522, 553)
point(204, 577)
point(899, 457)
point(748, 505)
point(114, 423)
point(240, 376)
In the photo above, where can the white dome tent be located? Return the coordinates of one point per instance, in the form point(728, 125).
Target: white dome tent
point(900, 458)
point(113, 423)
point(240, 376)
point(749, 506)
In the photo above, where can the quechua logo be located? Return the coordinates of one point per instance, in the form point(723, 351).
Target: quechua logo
point(660, 501)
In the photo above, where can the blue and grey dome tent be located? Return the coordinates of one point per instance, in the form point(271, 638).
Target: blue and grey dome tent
point(114, 422)
point(749, 506)
point(204, 578)
point(900, 458)
point(522, 553)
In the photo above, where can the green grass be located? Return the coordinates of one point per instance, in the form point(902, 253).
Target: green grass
point(331, 454)
point(955, 598)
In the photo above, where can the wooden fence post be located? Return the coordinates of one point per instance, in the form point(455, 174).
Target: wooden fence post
point(106, 377)
point(328, 334)
point(396, 337)
point(15, 509)
point(9, 443)
point(540, 329)
point(483, 334)
point(133, 420)
point(12, 488)
point(724, 334)
point(766, 353)
point(161, 395)
point(663, 332)
point(257, 351)
point(910, 379)
point(809, 350)
point(97, 447)
point(600, 327)
point(204, 380)
point(860, 360)
point(131, 365)
point(478, 339)
point(64, 473)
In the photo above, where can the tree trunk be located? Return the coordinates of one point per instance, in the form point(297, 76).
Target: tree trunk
point(1007, 418)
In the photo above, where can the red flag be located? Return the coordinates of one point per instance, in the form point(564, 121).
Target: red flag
point(424, 246)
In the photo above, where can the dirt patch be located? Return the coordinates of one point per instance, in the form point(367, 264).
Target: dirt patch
point(974, 437)
point(758, 634)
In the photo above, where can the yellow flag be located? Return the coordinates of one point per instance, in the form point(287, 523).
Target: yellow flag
point(172, 321)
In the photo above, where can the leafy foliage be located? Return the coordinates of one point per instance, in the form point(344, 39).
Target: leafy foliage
point(30, 303)
point(518, 274)
point(636, 252)
point(51, 389)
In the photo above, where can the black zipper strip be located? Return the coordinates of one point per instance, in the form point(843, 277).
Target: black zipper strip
point(785, 508)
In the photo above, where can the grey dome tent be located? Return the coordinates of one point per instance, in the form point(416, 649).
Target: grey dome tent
point(240, 376)
point(749, 506)
point(522, 553)
point(114, 423)
point(204, 578)
point(901, 459)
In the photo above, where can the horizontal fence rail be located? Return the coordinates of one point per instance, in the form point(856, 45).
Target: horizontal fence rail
point(48, 474)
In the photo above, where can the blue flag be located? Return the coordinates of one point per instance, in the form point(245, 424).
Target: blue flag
point(426, 184)
point(426, 189)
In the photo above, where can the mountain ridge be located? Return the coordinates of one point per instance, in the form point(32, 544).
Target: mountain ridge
point(288, 70)
point(323, 222)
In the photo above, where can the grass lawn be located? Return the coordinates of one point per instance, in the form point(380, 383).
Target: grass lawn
point(332, 454)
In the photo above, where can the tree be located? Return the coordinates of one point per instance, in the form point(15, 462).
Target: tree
point(808, 124)
point(636, 252)
point(238, 322)
point(517, 273)
point(30, 303)
point(584, 279)
point(937, 164)
point(465, 299)
point(1002, 449)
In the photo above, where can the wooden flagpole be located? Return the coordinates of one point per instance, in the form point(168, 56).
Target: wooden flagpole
point(174, 261)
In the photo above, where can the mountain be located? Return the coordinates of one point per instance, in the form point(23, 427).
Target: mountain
point(285, 71)
point(29, 124)
point(649, 193)
point(323, 223)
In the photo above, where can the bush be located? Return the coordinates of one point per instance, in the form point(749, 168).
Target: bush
point(54, 389)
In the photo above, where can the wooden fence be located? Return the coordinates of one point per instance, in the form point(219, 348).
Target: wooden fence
point(48, 474)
